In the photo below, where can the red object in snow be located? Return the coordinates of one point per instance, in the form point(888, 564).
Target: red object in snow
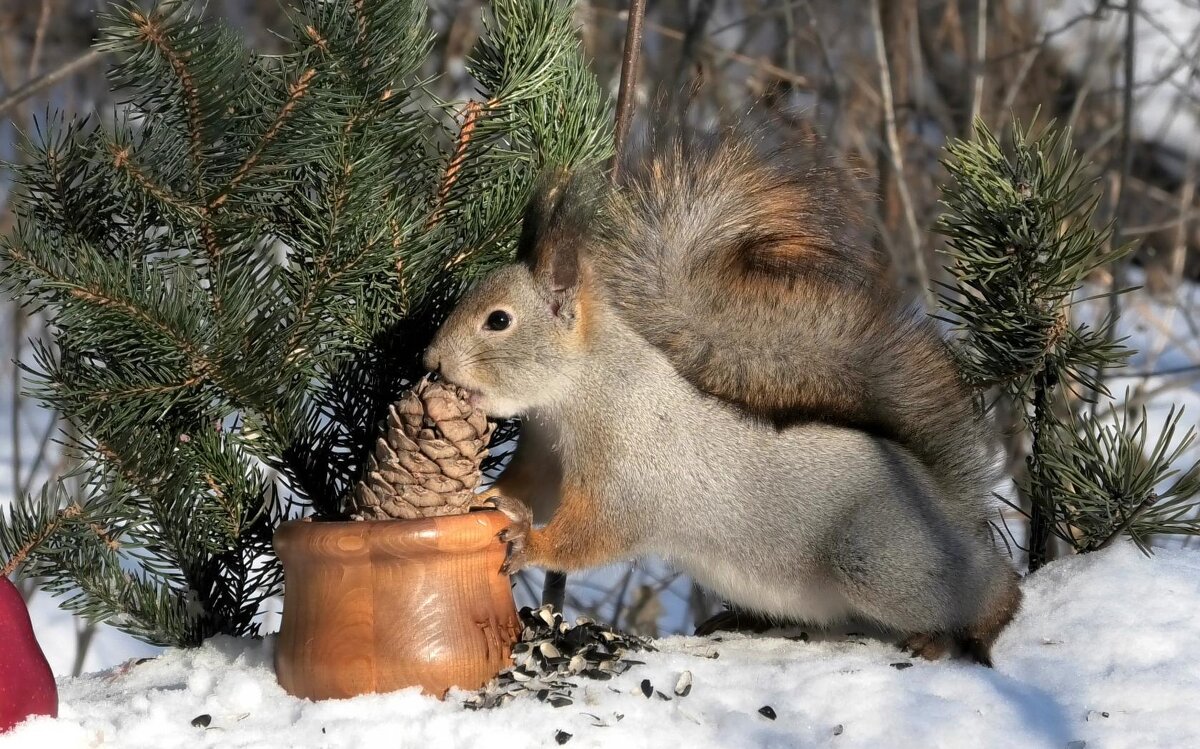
point(26, 681)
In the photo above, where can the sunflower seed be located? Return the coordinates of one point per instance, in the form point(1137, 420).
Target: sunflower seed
point(767, 712)
point(683, 685)
point(548, 649)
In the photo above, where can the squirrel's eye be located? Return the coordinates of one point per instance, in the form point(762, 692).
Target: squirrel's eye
point(498, 320)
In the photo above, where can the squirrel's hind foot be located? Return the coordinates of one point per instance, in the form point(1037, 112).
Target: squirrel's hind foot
point(933, 647)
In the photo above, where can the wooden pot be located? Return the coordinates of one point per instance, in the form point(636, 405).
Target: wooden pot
point(379, 605)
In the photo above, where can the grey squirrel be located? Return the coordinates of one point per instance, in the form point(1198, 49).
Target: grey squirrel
point(711, 367)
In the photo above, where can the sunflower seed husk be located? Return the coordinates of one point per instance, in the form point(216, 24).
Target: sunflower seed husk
point(550, 650)
point(683, 685)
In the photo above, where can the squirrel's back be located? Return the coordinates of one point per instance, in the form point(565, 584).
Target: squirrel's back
point(752, 269)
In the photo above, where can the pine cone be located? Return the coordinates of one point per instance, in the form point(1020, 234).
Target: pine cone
point(427, 463)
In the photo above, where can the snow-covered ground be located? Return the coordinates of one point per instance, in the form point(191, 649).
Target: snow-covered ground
point(1102, 655)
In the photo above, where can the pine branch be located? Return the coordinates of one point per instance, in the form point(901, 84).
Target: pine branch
point(1020, 240)
point(1125, 525)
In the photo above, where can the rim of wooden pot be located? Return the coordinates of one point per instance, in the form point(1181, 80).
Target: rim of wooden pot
point(468, 532)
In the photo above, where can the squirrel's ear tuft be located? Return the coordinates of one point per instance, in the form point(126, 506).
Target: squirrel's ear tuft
point(554, 228)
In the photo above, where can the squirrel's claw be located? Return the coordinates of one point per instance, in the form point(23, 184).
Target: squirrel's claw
point(516, 535)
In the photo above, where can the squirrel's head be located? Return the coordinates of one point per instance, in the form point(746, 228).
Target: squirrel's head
point(517, 338)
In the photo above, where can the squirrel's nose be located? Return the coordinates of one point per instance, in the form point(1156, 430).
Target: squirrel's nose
point(432, 361)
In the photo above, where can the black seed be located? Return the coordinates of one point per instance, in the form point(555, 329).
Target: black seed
point(542, 694)
point(322, 729)
point(767, 712)
point(202, 721)
point(901, 666)
point(1104, 714)
point(561, 701)
point(837, 730)
point(140, 661)
point(562, 737)
point(647, 688)
point(661, 696)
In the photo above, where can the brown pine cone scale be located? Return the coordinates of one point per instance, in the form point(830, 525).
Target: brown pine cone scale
point(427, 463)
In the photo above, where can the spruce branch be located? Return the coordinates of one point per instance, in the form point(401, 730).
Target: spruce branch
point(37, 538)
point(296, 92)
point(122, 159)
point(150, 29)
point(472, 112)
point(241, 274)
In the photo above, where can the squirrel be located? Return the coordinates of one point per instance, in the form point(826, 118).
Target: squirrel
point(711, 366)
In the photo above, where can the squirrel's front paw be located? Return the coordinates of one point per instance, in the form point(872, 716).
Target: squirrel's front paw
point(516, 535)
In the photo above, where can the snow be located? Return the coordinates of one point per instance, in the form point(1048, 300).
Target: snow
point(1101, 653)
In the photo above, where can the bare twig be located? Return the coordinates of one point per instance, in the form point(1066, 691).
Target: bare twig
point(628, 91)
point(37, 85)
point(894, 150)
point(762, 65)
point(981, 30)
point(1120, 191)
point(691, 47)
point(39, 39)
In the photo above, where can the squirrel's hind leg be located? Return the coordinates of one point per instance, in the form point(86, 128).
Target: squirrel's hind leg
point(999, 609)
point(933, 582)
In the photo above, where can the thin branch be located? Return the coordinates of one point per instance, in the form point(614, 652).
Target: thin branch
point(39, 39)
point(981, 30)
point(628, 92)
point(1120, 193)
point(38, 85)
point(123, 161)
point(155, 36)
point(894, 150)
point(761, 65)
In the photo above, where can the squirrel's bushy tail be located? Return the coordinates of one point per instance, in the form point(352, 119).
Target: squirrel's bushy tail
point(750, 267)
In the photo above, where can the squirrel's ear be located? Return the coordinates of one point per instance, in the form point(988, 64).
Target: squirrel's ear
point(555, 222)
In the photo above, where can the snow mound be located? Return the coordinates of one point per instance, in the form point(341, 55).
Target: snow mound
point(1101, 655)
